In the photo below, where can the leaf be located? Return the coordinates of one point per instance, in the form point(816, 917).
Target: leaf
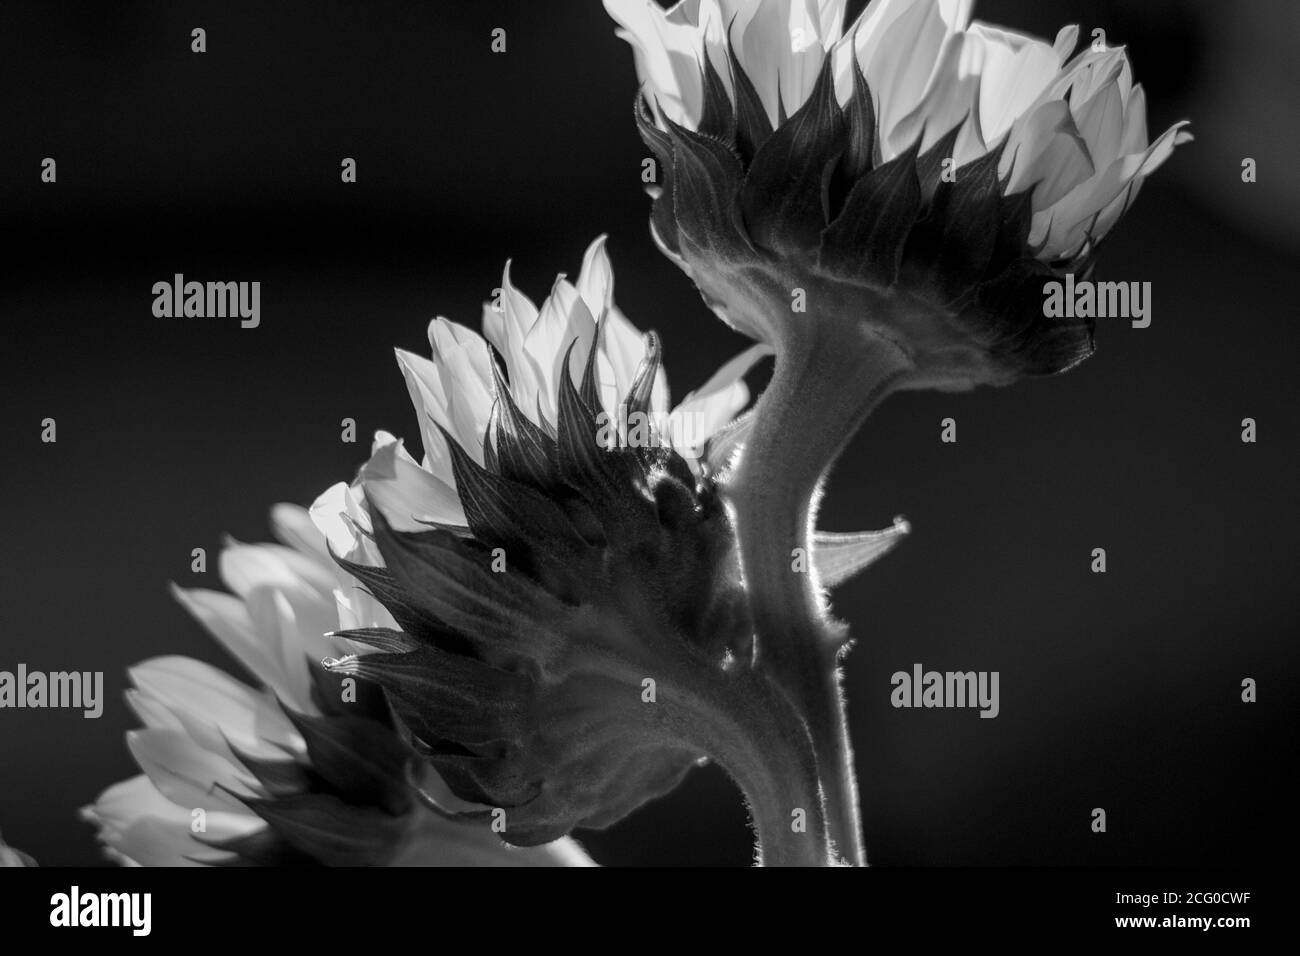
point(838, 557)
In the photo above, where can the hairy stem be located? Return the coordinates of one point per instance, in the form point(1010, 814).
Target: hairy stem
point(827, 380)
point(779, 777)
point(748, 725)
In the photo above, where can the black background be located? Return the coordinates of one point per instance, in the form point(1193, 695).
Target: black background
point(1119, 690)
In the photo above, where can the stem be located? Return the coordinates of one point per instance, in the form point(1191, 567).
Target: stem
point(750, 728)
point(828, 378)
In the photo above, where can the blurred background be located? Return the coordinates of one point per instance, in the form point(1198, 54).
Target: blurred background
point(1119, 690)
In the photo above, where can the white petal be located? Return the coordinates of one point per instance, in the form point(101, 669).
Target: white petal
point(1014, 72)
point(596, 280)
point(520, 315)
point(122, 803)
point(150, 841)
point(564, 319)
point(185, 773)
point(1135, 123)
point(953, 97)
point(898, 44)
point(1086, 73)
point(151, 713)
point(1046, 151)
point(666, 55)
point(246, 566)
point(141, 827)
point(1078, 213)
point(338, 513)
point(450, 393)
point(408, 495)
point(292, 524)
point(707, 409)
point(310, 618)
point(1100, 121)
point(213, 707)
point(458, 346)
point(494, 325)
point(357, 608)
point(227, 618)
point(830, 20)
point(1066, 40)
point(290, 634)
point(624, 348)
point(782, 45)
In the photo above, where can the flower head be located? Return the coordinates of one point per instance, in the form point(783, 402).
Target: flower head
point(302, 767)
point(917, 176)
point(571, 626)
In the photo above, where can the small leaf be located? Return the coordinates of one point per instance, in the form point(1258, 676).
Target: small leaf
point(838, 557)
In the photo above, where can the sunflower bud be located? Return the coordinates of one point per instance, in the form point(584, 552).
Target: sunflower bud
point(915, 181)
point(571, 630)
point(885, 207)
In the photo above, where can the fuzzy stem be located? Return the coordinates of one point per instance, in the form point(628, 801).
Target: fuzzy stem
point(827, 380)
point(750, 728)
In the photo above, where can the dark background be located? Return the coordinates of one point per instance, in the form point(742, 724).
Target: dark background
point(1119, 690)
